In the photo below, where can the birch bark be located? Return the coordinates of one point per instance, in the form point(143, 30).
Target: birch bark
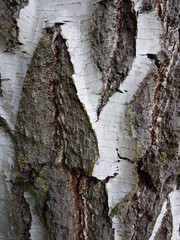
point(89, 120)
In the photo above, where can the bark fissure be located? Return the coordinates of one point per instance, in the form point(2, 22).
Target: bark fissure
point(79, 206)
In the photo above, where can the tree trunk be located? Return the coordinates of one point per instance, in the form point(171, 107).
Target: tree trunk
point(89, 120)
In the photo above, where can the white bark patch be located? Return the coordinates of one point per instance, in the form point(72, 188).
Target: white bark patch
point(12, 68)
point(37, 230)
point(159, 220)
point(137, 4)
point(30, 23)
point(175, 208)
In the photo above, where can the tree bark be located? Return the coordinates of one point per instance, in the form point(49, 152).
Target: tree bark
point(89, 120)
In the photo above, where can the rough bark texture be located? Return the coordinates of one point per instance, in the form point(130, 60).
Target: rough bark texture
point(165, 231)
point(117, 31)
point(50, 143)
point(56, 149)
point(9, 12)
point(155, 121)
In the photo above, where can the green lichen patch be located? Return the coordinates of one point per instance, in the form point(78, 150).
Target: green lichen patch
point(138, 153)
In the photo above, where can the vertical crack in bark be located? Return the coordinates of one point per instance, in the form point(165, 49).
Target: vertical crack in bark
point(157, 95)
point(81, 184)
point(53, 85)
point(79, 207)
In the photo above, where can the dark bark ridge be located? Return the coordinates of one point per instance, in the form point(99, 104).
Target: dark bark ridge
point(56, 149)
point(9, 12)
point(114, 28)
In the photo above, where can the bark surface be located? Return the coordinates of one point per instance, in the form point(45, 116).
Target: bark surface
point(89, 120)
